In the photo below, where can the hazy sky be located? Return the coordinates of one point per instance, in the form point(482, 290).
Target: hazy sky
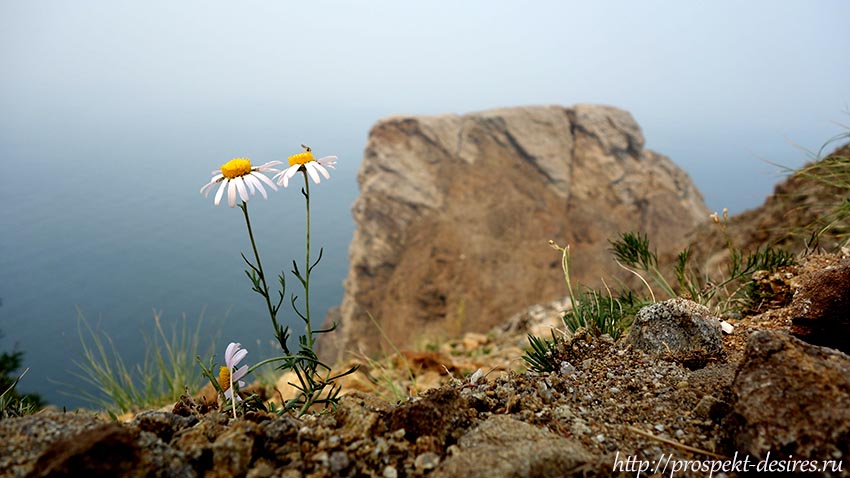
point(718, 86)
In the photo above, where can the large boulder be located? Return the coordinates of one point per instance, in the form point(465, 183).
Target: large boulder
point(455, 213)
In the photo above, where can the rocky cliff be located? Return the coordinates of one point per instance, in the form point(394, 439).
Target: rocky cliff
point(455, 213)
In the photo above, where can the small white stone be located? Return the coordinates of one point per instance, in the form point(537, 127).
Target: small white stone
point(390, 472)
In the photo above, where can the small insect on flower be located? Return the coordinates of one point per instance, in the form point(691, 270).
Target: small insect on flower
point(306, 162)
point(243, 179)
point(229, 377)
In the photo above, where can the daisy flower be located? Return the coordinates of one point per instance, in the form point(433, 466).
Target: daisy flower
point(243, 179)
point(307, 162)
point(229, 374)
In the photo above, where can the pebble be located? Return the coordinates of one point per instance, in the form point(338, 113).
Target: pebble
point(567, 368)
point(579, 428)
point(339, 461)
point(389, 472)
point(426, 461)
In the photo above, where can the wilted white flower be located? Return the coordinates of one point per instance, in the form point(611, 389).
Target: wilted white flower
point(229, 374)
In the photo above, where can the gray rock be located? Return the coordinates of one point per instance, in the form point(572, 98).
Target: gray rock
point(678, 329)
point(503, 447)
point(455, 213)
point(791, 398)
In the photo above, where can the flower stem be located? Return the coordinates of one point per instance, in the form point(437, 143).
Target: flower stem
point(260, 273)
point(232, 392)
point(307, 268)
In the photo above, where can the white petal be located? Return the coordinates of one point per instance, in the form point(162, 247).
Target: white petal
point(287, 175)
point(239, 373)
point(220, 192)
point(328, 161)
point(232, 347)
point(240, 187)
point(252, 181)
point(292, 171)
point(248, 184)
point(231, 193)
point(266, 180)
point(206, 188)
point(322, 170)
point(237, 357)
point(311, 170)
point(269, 166)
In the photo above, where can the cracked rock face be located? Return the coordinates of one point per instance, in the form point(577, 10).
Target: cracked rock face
point(455, 213)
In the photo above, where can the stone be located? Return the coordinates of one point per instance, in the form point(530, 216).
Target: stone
point(359, 412)
point(427, 461)
point(232, 451)
point(678, 329)
point(821, 307)
point(455, 214)
point(791, 398)
point(503, 447)
point(162, 424)
point(108, 450)
point(442, 414)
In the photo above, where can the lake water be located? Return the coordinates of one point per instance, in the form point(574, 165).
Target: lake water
point(106, 218)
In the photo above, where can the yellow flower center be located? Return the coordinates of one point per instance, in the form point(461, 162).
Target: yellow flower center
point(224, 378)
point(236, 167)
point(301, 158)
